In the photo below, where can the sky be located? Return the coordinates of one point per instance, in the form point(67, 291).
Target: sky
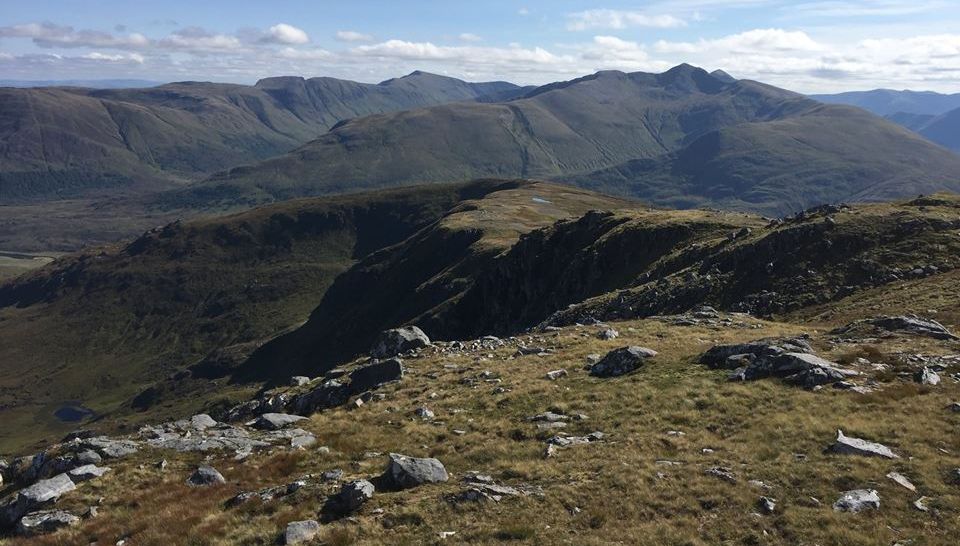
point(808, 46)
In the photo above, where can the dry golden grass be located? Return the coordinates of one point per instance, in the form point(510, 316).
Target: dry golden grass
point(612, 492)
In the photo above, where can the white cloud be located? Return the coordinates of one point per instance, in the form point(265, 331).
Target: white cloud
point(766, 39)
point(198, 39)
point(282, 33)
point(306, 54)
point(353, 36)
point(523, 12)
point(470, 37)
point(620, 19)
point(50, 35)
point(130, 57)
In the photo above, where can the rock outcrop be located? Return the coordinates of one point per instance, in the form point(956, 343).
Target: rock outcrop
point(621, 361)
point(405, 472)
point(398, 341)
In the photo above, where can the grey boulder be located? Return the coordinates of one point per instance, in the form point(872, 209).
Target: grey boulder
point(405, 472)
point(299, 532)
point(354, 494)
point(373, 375)
point(397, 341)
point(857, 500)
point(205, 476)
point(47, 521)
point(276, 421)
point(621, 361)
point(87, 472)
point(846, 445)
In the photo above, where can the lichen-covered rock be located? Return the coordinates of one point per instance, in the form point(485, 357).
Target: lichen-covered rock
point(398, 341)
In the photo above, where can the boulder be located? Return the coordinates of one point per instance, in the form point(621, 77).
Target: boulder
point(621, 361)
point(857, 500)
point(766, 505)
point(353, 494)
point(89, 456)
point(87, 472)
point(556, 374)
point(901, 480)
point(398, 341)
point(276, 421)
point(298, 532)
point(47, 521)
point(846, 445)
point(608, 334)
point(303, 441)
point(373, 375)
point(405, 472)
point(299, 381)
point(424, 413)
point(721, 356)
point(36, 496)
point(914, 325)
point(926, 376)
point(202, 422)
point(205, 476)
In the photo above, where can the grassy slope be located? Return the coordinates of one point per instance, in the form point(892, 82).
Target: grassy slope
point(828, 154)
point(101, 325)
point(611, 492)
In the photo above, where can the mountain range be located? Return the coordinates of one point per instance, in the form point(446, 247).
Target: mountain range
point(72, 142)
point(935, 116)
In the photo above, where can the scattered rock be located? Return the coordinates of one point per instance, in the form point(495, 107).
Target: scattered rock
point(47, 521)
point(303, 441)
point(766, 505)
point(846, 445)
point(298, 532)
point(608, 334)
point(556, 374)
point(373, 375)
point(901, 480)
point(88, 456)
point(724, 474)
point(621, 361)
point(567, 441)
point(87, 472)
point(405, 472)
point(424, 413)
point(954, 407)
point(397, 341)
point(299, 381)
point(277, 421)
point(34, 497)
point(921, 504)
point(926, 376)
point(353, 494)
point(109, 448)
point(857, 500)
point(205, 476)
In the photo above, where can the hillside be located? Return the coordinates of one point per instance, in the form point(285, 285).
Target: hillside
point(782, 166)
point(718, 426)
point(100, 326)
point(569, 130)
point(70, 142)
point(943, 129)
point(629, 262)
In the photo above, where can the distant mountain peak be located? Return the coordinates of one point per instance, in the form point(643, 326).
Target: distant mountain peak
point(723, 76)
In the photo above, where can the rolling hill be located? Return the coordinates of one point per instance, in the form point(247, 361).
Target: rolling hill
point(69, 142)
point(575, 131)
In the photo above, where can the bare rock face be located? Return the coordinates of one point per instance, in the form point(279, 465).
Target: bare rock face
point(791, 359)
point(621, 361)
point(910, 324)
point(405, 472)
point(857, 500)
point(397, 341)
point(846, 445)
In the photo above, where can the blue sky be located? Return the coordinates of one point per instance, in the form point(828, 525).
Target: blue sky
point(809, 46)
